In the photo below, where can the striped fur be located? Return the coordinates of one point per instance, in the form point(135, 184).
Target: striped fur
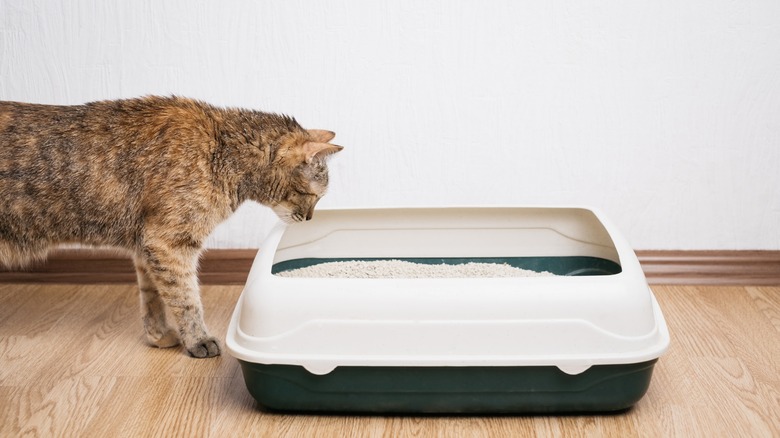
point(153, 176)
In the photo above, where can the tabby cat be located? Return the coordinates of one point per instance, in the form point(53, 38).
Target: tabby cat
point(153, 175)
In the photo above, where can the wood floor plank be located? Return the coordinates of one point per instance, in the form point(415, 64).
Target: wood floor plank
point(69, 405)
point(48, 305)
point(750, 416)
point(73, 362)
point(16, 297)
point(9, 408)
point(131, 409)
point(767, 300)
point(689, 309)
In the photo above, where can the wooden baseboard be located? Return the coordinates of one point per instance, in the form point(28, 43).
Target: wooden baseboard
point(711, 267)
point(222, 266)
point(231, 266)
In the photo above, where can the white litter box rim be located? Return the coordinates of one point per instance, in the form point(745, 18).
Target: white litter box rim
point(306, 342)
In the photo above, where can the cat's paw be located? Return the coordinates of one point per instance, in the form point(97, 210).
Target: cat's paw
point(166, 340)
point(208, 347)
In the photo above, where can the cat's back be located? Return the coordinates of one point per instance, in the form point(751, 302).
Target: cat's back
point(19, 119)
point(107, 118)
point(87, 172)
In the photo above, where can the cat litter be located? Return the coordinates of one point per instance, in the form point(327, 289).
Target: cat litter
point(583, 340)
point(404, 269)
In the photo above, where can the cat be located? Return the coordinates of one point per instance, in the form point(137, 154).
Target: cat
point(152, 175)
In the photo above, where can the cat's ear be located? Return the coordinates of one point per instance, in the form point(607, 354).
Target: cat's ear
point(314, 149)
point(321, 135)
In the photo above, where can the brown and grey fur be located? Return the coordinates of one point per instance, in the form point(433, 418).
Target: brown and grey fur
point(154, 176)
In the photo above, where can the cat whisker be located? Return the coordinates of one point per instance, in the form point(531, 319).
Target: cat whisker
point(287, 216)
point(283, 213)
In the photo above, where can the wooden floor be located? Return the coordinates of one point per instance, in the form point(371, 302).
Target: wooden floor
point(73, 362)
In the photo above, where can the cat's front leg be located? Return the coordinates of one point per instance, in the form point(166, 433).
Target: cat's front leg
point(158, 332)
point(174, 273)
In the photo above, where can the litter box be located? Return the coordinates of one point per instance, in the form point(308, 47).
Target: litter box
point(583, 341)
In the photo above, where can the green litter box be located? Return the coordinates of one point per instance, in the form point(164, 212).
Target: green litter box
point(586, 340)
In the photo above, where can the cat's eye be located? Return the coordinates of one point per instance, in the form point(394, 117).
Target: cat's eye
point(302, 193)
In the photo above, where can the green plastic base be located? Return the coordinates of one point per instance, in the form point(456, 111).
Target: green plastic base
point(453, 390)
point(484, 389)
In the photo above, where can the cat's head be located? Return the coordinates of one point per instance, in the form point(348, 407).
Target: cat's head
point(304, 174)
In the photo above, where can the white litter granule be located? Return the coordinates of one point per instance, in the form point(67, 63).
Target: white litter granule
point(404, 269)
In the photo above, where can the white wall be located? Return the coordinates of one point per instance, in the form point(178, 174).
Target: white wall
point(665, 114)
